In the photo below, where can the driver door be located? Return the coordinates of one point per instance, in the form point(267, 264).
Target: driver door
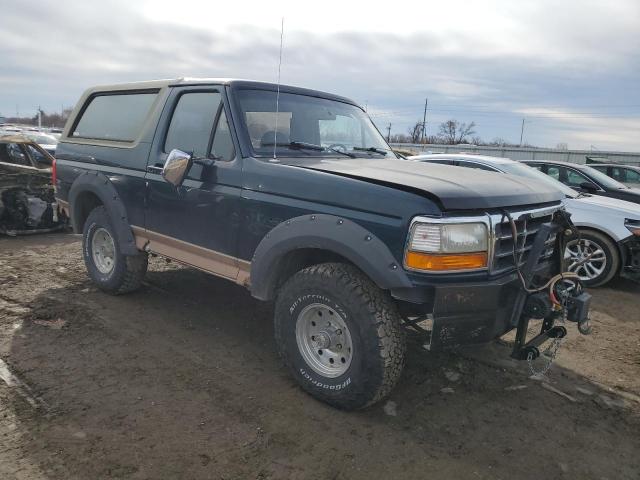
point(197, 222)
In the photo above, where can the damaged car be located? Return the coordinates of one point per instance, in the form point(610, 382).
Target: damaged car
point(27, 201)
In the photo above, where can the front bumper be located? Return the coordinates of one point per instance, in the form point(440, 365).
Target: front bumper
point(630, 248)
point(470, 311)
point(466, 314)
point(480, 310)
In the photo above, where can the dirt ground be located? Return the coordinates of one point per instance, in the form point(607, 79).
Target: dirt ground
point(181, 380)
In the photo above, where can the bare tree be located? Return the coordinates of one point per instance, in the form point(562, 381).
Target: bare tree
point(48, 119)
point(399, 138)
point(415, 132)
point(454, 132)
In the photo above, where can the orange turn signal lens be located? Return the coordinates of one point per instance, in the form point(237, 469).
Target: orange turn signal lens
point(441, 262)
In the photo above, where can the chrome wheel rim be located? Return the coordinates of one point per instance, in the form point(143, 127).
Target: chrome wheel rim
point(581, 249)
point(324, 340)
point(103, 251)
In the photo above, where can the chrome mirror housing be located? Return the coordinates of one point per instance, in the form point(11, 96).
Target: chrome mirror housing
point(176, 167)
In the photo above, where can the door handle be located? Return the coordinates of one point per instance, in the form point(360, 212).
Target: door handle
point(154, 169)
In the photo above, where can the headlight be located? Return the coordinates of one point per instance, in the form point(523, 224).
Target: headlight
point(633, 226)
point(444, 247)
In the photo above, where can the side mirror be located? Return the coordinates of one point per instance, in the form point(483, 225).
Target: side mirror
point(589, 187)
point(176, 167)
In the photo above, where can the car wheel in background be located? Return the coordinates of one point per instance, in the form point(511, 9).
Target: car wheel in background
point(603, 258)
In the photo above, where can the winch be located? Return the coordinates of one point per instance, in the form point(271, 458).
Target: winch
point(561, 299)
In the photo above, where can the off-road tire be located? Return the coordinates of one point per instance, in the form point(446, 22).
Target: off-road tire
point(374, 325)
point(612, 255)
point(128, 270)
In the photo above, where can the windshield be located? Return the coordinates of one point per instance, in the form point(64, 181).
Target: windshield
point(602, 179)
point(530, 172)
point(38, 156)
point(304, 122)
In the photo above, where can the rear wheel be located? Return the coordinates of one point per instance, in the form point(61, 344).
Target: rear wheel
point(603, 258)
point(340, 335)
point(109, 269)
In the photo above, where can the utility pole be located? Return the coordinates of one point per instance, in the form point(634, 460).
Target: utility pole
point(521, 132)
point(424, 119)
point(39, 117)
point(388, 132)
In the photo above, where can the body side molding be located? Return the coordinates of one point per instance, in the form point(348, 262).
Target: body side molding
point(204, 259)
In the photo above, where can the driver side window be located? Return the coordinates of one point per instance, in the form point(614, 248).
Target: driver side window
point(192, 125)
point(574, 179)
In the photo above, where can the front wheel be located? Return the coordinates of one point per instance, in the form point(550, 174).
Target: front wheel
point(340, 335)
point(594, 258)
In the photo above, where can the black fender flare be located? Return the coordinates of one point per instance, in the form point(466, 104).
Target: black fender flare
point(100, 185)
point(326, 232)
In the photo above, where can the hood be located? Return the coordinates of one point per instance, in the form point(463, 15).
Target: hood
point(456, 188)
point(605, 205)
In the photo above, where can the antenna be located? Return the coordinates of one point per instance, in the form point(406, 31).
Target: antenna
point(275, 132)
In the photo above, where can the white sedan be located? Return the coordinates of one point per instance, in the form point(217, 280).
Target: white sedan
point(609, 228)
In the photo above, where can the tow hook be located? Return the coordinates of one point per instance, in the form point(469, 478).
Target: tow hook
point(578, 311)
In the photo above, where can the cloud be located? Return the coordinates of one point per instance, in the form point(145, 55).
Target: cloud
point(484, 61)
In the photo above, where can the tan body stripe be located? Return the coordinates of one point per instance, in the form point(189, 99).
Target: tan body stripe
point(210, 261)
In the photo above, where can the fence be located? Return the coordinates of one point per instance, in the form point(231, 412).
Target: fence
point(524, 153)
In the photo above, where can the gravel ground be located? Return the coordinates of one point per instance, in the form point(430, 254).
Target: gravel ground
point(181, 380)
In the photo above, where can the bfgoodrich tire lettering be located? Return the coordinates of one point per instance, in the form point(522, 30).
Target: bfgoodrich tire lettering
point(126, 271)
point(378, 344)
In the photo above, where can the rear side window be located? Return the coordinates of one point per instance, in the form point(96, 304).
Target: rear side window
point(118, 117)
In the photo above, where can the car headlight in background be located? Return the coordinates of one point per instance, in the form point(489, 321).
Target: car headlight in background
point(633, 226)
point(441, 247)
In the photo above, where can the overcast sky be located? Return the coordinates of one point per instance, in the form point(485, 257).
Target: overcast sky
point(569, 68)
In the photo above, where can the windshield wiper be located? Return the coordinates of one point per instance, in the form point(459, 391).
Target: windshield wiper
point(371, 149)
point(308, 146)
point(319, 148)
point(299, 145)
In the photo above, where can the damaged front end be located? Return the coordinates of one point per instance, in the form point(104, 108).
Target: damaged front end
point(540, 288)
point(27, 202)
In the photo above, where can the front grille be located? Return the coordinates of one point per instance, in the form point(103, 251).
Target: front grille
point(527, 227)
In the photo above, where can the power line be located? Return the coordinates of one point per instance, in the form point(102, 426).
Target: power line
point(559, 115)
point(424, 119)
